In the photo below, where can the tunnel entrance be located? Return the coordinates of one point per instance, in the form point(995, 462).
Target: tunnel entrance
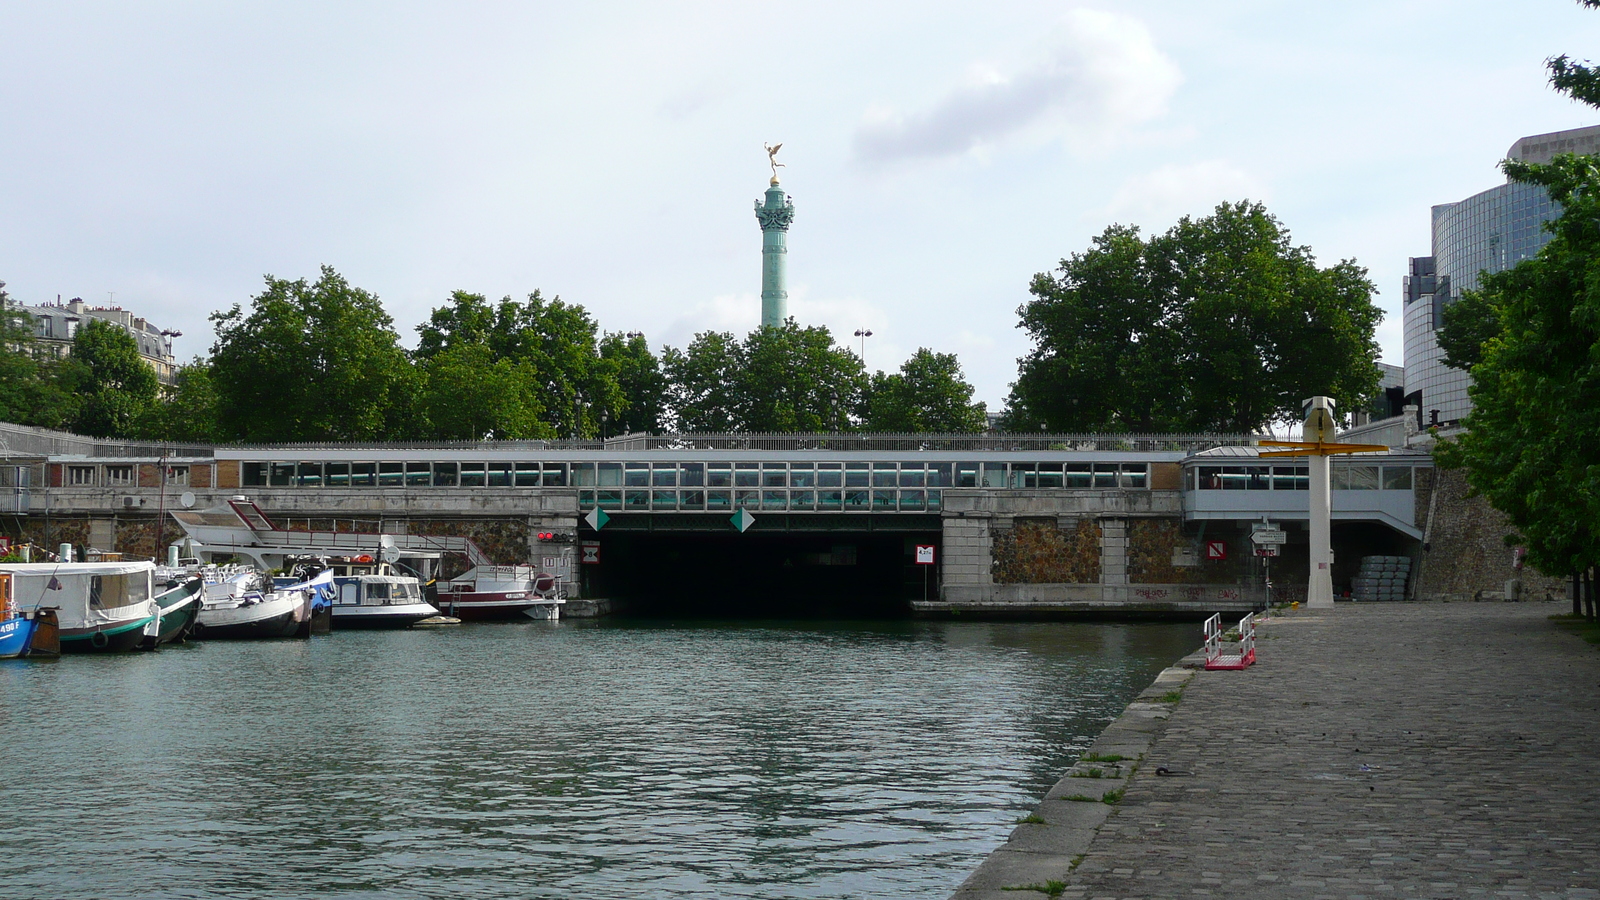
point(762, 574)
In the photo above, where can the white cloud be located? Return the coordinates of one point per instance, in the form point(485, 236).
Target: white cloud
point(1103, 75)
point(1156, 199)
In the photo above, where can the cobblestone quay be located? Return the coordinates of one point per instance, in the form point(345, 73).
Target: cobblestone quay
point(1430, 750)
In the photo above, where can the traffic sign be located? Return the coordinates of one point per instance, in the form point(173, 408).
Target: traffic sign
point(597, 518)
point(1216, 549)
point(742, 519)
point(1266, 549)
point(591, 553)
point(1269, 536)
point(924, 554)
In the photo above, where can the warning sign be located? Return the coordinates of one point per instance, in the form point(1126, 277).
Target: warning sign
point(1216, 549)
point(924, 554)
point(590, 551)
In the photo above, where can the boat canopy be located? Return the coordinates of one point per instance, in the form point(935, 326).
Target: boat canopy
point(87, 593)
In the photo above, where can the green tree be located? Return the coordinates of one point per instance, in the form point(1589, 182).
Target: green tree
point(575, 387)
point(780, 379)
point(187, 411)
point(1536, 381)
point(311, 362)
point(794, 379)
point(19, 371)
point(928, 394)
point(1469, 323)
point(117, 388)
point(700, 388)
point(1220, 324)
point(639, 376)
point(466, 394)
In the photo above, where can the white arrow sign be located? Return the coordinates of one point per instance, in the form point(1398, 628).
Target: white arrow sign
point(1269, 536)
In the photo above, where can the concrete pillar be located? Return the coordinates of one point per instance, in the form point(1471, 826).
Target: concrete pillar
point(1114, 551)
point(968, 553)
point(1319, 587)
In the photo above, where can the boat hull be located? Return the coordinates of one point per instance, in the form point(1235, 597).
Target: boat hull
point(115, 639)
point(391, 616)
point(494, 606)
point(279, 617)
point(36, 635)
point(179, 608)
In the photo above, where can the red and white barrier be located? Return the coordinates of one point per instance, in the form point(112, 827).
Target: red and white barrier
point(1216, 659)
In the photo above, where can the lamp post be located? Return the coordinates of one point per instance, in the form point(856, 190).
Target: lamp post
point(863, 333)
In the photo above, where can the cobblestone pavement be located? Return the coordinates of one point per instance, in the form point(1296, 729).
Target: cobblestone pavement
point(1433, 750)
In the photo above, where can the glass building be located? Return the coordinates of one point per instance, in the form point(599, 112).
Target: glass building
point(1487, 232)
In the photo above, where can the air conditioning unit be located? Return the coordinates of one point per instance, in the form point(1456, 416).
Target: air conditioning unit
point(131, 502)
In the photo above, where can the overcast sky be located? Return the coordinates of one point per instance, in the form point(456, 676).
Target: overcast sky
point(939, 154)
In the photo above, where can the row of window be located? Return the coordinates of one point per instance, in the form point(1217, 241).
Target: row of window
point(1297, 478)
point(696, 474)
point(119, 476)
point(848, 500)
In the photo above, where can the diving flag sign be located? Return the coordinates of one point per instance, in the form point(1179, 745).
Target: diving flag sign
point(597, 518)
point(742, 520)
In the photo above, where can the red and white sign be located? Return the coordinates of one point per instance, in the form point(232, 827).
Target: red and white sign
point(924, 554)
point(1266, 549)
point(591, 553)
point(1216, 549)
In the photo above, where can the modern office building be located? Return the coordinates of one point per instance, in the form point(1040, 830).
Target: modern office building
point(1487, 232)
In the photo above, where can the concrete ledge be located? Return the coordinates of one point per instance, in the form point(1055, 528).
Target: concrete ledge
point(1037, 854)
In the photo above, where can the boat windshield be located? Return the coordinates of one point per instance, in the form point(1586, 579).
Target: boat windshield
point(405, 590)
point(112, 591)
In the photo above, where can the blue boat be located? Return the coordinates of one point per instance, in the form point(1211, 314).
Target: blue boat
point(35, 633)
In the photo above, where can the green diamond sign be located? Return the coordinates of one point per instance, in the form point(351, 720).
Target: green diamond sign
point(597, 519)
point(742, 520)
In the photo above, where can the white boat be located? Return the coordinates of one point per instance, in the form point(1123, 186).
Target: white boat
point(103, 607)
point(242, 603)
point(502, 592)
point(379, 601)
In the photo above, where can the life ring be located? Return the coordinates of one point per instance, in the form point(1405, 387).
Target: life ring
point(98, 640)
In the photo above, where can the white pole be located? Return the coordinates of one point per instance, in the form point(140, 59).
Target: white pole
point(1319, 587)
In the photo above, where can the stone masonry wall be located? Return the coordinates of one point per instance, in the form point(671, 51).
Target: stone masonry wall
point(1465, 543)
point(1151, 543)
point(1039, 551)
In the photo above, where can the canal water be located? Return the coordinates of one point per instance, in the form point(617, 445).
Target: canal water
point(596, 759)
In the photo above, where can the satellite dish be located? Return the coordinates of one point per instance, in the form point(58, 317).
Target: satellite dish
point(187, 499)
point(390, 554)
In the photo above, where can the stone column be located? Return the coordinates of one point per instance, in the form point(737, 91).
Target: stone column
point(1114, 552)
point(968, 554)
point(775, 216)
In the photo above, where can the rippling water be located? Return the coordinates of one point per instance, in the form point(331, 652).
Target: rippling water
point(618, 759)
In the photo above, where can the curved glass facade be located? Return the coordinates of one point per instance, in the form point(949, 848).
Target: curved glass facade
point(1486, 232)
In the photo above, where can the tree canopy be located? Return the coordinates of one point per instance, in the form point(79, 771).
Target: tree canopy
point(780, 379)
point(1536, 373)
point(116, 387)
point(310, 362)
point(1219, 324)
point(928, 394)
point(575, 388)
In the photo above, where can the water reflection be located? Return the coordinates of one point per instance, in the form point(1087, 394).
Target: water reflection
point(641, 758)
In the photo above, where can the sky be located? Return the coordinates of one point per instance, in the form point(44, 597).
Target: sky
point(166, 157)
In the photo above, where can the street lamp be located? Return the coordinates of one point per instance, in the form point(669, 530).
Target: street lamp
point(863, 333)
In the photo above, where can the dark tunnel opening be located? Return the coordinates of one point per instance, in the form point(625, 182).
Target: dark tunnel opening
point(762, 575)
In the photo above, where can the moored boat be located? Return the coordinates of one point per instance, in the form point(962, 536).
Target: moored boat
point(241, 603)
point(34, 634)
point(501, 592)
point(179, 605)
point(379, 601)
point(104, 607)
